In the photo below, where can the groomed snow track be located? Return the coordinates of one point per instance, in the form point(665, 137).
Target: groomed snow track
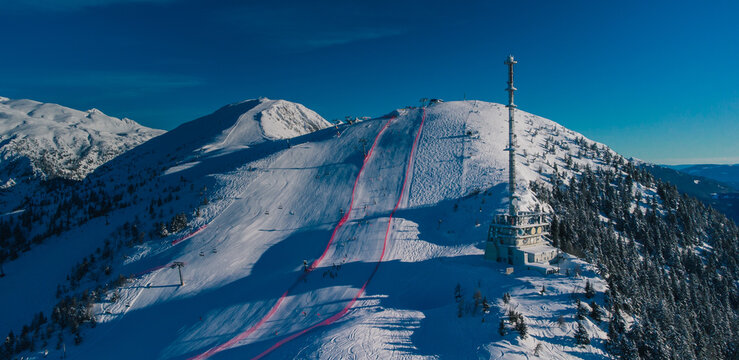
point(353, 253)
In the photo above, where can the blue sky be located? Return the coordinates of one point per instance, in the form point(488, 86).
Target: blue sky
point(654, 80)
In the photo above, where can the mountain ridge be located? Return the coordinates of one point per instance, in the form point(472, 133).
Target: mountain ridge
point(258, 210)
point(244, 217)
point(63, 142)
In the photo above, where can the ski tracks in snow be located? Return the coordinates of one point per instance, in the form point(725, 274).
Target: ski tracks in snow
point(313, 265)
point(356, 220)
point(359, 293)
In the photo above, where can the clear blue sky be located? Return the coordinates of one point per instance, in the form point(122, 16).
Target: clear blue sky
point(654, 80)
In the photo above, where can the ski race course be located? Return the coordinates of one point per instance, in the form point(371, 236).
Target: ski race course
point(354, 251)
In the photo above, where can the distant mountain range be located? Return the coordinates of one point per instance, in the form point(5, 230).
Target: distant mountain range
point(42, 142)
point(57, 141)
point(727, 174)
point(719, 194)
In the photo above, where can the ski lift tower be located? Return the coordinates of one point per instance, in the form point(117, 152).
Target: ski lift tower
point(517, 237)
point(178, 265)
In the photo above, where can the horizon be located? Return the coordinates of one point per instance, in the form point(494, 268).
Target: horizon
point(676, 164)
point(166, 62)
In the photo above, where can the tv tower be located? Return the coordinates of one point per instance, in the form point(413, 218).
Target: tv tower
point(518, 238)
point(511, 137)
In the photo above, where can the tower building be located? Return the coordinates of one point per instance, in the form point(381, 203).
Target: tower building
point(518, 237)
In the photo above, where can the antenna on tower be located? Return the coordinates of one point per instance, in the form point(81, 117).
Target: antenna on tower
point(510, 61)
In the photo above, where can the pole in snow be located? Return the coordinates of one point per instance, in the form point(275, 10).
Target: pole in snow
point(178, 265)
point(363, 141)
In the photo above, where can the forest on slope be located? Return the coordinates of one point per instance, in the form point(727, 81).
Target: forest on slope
point(670, 261)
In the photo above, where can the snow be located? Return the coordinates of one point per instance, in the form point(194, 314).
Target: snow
point(41, 141)
point(273, 205)
point(268, 120)
point(65, 142)
point(13, 212)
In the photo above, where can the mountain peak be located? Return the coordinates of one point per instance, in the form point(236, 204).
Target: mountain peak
point(95, 111)
point(253, 121)
point(61, 142)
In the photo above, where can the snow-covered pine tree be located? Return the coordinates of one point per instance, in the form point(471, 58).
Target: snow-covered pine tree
point(582, 312)
point(521, 327)
point(589, 291)
point(596, 313)
point(581, 335)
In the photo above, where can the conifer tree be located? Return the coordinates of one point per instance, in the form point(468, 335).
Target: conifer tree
point(596, 313)
point(582, 312)
point(589, 291)
point(581, 335)
point(9, 344)
point(485, 305)
point(477, 300)
point(502, 330)
point(521, 328)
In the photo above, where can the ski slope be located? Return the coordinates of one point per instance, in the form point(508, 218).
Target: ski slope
point(411, 216)
point(358, 238)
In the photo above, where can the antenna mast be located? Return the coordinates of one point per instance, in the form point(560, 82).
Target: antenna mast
point(511, 137)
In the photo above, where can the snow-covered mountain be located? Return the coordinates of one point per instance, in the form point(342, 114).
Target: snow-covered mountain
point(267, 120)
point(410, 216)
point(42, 140)
point(346, 242)
point(719, 194)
